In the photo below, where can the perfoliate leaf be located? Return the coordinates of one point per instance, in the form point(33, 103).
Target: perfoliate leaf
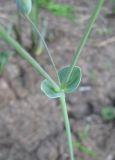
point(73, 81)
point(49, 90)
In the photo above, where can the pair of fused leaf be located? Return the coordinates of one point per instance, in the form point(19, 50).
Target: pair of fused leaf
point(65, 87)
point(24, 6)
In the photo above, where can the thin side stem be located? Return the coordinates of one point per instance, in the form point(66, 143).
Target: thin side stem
point(48, 51)
point(85, 36)
point(34, 16)
point(40, 47)
point(67, 126)
point(5, 36)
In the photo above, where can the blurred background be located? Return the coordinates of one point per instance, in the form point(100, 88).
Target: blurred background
point(31, 125)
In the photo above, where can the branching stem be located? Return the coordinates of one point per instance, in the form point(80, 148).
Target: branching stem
point(5, 36)
point(85, 37)
point(47, 49)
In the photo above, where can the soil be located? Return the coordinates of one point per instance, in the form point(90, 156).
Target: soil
point(31, 125)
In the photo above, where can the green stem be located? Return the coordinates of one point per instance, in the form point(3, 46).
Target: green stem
point(4, 35)
point(40, 47)
point(34, 16)
point(85, 37)
point(67, 126)
point(47, 49)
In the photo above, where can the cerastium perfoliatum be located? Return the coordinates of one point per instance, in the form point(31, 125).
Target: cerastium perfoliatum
point(68, 77)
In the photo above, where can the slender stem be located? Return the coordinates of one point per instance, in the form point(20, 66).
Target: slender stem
point(48, 51)
point(85, 36)
point(4, 35)
point(67, 126)
point(34, 16)
point(40, 48)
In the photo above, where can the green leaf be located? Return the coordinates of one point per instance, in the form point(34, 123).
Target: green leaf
point(3, 60)
point(73, 81)
point(60, 10)
point(85, 149)
point(57, 9)
point(4, 57)
point(108, 113)
point(49, 90)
